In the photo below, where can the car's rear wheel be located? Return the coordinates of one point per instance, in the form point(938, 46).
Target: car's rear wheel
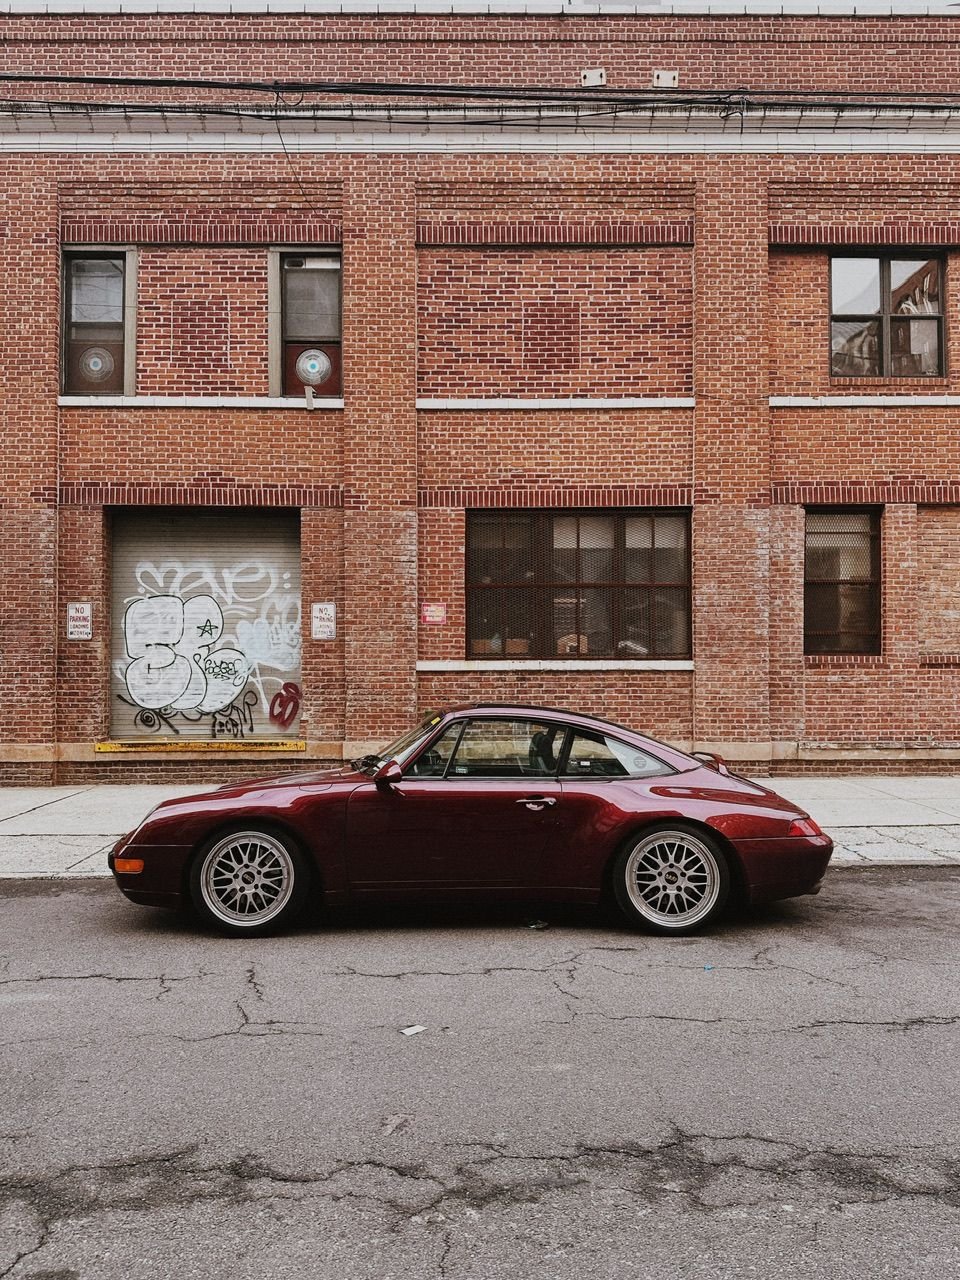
point(671, 880)
point(249, 881)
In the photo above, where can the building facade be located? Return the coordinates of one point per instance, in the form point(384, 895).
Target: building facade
point(365, 358)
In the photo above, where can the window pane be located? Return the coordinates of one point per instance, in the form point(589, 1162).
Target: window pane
point(855, 286)
point(582, 624)
point(670, 561)
point(840, 547)
point(564, 610)
point(565, 549)
point(855, 348)
point(500, 550)
point(914, 347)
point(841, 591)
point(842, 617)
point(596, 549)
point(311, 303)
point(655, 623)
point(500, 623)
point(596, 622)
point(590, 756)
point(96, 292)
point(599, 755)
point(638, 549)
point(432, 763)
point(583, 548)
point(915, 287)
point(502, 749)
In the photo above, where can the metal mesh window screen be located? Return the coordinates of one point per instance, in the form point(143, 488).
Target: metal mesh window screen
point(842, 582)
point(578, 584)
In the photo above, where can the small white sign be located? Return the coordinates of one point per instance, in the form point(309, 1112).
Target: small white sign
point(325, 621)
point(80, 620)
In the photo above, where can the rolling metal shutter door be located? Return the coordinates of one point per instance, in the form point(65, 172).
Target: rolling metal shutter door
point(206, 625)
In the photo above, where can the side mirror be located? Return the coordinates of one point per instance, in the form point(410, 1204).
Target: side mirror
point(388, 775)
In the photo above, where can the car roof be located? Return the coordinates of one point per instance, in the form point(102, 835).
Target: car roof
point(680, 758)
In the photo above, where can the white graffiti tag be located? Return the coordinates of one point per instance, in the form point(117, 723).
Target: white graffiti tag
point(213, 643)
point(175, 664)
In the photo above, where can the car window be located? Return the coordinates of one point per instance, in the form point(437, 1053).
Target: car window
point(432, 763)
point(596, 755)
point(508, 749)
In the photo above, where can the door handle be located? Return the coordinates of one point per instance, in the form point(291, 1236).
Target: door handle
point(536, 803)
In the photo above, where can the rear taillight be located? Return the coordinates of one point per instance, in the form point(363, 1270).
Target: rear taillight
point(804, 827)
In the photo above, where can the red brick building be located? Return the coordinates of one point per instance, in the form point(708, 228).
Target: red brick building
point(365, 357)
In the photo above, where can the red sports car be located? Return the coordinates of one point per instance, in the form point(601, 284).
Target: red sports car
point(511, 802)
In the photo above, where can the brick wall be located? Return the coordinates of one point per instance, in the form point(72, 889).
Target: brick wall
point(487, 275)
point(505, 322)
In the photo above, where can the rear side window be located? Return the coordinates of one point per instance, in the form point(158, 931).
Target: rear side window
point(596, 755)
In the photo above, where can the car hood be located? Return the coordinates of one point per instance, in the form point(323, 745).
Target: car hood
point(313, 779)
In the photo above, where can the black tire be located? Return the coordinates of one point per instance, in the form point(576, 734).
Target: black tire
point(249, 881)
point(671, 879)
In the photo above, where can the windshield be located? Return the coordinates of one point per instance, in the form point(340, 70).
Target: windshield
point(403, 747)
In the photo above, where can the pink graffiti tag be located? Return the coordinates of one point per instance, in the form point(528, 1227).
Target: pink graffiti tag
point(285, 705)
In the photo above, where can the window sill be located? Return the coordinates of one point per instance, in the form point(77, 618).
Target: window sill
point(879, 401)
point(198, 402)
point(844, 660)
point(563, 402)
point(556, 664)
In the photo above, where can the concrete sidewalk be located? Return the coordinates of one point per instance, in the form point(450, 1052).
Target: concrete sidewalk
point(56, 832)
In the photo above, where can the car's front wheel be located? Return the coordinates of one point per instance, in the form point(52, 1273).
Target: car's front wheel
point(249, 881)
point(671, 880)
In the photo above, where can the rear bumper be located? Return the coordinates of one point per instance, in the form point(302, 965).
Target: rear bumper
point(785, 868)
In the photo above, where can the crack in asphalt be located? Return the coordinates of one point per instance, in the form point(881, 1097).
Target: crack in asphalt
point(692, 1172)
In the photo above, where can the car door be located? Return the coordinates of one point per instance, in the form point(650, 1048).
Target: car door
point(475, 811)
point(608, 785)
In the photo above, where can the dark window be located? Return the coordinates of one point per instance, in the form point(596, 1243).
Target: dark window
point(842, 582)
point(310, 338)
point(578, 584)
point(886, 317)
point(93, 309)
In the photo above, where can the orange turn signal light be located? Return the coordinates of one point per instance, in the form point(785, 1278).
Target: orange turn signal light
point(128, 866)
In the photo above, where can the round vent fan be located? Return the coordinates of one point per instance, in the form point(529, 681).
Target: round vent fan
point(313, 367)
point(96, 364)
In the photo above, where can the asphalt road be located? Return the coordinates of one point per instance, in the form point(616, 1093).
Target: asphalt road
point(781, 1096)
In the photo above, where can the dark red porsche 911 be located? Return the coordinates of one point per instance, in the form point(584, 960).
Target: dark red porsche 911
point(511, 802)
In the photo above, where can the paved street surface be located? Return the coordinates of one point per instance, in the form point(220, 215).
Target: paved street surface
point(66, 831)
point(585, 1103)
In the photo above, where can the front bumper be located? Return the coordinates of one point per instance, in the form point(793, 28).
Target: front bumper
point(161, 882)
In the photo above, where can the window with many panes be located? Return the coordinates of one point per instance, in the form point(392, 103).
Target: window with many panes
point(305, 324)
point(98, 317)
point(886, 317)
point(578, 584)
point(842, 582)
